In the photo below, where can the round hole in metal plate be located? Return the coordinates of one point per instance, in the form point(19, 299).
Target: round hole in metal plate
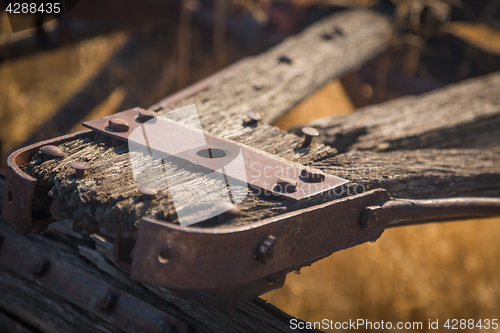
point(164, 257)
point(211, 153)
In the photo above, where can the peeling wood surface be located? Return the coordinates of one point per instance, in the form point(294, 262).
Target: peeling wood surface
point(462, 115)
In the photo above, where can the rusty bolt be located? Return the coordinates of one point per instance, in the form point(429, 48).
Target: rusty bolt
point(146, 115)
point(266, 249)
point(165, 327)
point(285, 59)
point(50, 152)
point(369, 216)
point(39, 266)
point(226, 210)
point(271, 280)
point(147, 193)
point(118, 125)
point(104, 301)
point(80, 168)
point(312, 175)
point(286, 185)
point(253, 117)
point(310, 132)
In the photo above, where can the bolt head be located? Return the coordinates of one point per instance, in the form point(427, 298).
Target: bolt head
point(39, 266)
point(51, 151)
point(369, 216)
point(164, 327)
point(310, 131)
point(285, 59)
point(146, 115)
point(79, 166)
point(254, 116)
point(147, 191)
point(118, 125)
point(286, 185)
point(104, 301)
point(266, 249)
point(312, 175)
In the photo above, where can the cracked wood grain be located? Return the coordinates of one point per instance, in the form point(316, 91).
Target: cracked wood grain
point(462, 115)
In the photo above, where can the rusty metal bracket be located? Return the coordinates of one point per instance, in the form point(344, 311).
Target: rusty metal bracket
point(83, 289)
point(265, 175)
point(20, 188)
point(231, 259)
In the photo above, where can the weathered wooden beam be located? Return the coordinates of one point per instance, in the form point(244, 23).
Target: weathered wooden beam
point(462, 115)
point(264, 84)
point(39, 308)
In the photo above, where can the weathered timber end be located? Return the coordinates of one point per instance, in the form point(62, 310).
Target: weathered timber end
point(462, 115)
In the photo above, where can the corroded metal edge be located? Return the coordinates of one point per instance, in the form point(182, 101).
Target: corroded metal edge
point(192, 258)
point(20, 187)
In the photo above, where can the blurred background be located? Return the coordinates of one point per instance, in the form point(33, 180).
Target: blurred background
point(106, 56)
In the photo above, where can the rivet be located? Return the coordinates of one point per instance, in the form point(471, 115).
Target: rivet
point(286, 185)
point(146, 115)
point(164, 327)
point(80, 168)
point(310, 132)
point(118, 125)
point(50, 152)
point(312, 175)
point(285, 59)
point(266, 249)
point(147, 192)
point(226, 210)
point(253, 117)
point(39, 266)
point(104, 300)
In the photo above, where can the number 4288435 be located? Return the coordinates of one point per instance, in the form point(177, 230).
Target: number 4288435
point(455, 324)
point(33, 8)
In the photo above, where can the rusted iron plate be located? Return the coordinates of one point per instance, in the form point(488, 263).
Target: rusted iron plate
point(262, 170)
point(206, 259)
point(20, 187)
point(9, 325)
point(81, 288)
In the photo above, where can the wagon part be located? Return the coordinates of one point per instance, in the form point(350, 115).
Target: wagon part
point(90, 293)
point(231, 265)
point(232, 259)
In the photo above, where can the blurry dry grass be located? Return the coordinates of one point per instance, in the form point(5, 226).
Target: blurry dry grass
point(32, 88)
point(437, 271)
